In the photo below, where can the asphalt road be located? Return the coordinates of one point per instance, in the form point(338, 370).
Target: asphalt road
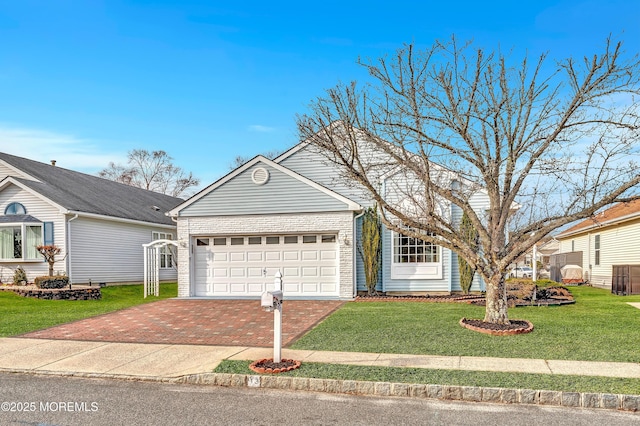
point(38, 400)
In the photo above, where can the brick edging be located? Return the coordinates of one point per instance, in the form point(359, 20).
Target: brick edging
point(412, 390)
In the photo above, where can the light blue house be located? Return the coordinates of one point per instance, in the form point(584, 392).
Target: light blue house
point(294, 214)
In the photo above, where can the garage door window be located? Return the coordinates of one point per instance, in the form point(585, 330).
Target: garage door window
point(255, 240)
point(291, 239)
point(328, 238)
point(219, 241)
point(202, 241)
point(309, 239)
point(237, 241)
point(273, 240)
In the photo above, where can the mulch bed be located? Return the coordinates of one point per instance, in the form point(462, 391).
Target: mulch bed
point(429, 298)
point(267, 365)
point(514, 327)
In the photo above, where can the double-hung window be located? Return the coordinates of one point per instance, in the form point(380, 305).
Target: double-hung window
point(166, 255)
point(414, 258)
point(596, 243)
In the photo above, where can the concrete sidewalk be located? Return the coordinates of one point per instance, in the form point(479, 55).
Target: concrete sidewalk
point(165, 361)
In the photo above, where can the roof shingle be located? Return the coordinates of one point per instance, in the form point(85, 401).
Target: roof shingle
point(81, 192)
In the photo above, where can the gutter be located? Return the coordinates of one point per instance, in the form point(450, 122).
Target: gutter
point(119, 219)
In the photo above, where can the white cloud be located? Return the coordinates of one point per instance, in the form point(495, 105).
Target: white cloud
point(261, 129)
point(69, 151)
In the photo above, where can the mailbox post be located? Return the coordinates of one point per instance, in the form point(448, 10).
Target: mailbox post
point(272, 302)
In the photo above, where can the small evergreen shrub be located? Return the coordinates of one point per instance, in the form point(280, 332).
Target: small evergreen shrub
point(19, 276)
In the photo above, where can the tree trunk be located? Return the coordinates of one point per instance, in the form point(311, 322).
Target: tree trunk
point(51, 269)
point(496, 310)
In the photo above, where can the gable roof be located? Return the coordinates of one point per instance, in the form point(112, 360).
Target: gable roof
point(82, 193)
point(351, 205)
point(620, 212)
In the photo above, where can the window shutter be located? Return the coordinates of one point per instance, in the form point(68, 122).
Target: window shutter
point(48, 233)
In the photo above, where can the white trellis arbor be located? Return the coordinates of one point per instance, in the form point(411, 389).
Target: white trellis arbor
point(152, 265)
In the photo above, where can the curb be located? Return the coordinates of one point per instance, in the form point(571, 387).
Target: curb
point(605, 401)
point(412, 390)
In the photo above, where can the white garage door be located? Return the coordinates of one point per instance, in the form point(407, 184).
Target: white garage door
point(246, 265)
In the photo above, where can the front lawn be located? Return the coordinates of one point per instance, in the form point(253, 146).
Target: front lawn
point(598, 327)
point(20, 315)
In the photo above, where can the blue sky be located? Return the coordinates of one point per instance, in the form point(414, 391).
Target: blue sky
point(83, 82)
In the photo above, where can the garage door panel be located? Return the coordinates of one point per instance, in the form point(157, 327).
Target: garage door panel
point(310, 287)
point(290, 255)
point(328, 288)
point(220, 257)
point(328, 271)
point(220, 273)
point(271, 256)
point(291, 287)
point(328, 255)
point(290, 272)
point(220, 288)
point(254, 272)
point(309, 268)
point(309, 271)
point(255, 288)
point(309, 255)
point(237, 272)
point(254, 256)
point(237, 256)
point(238, 288)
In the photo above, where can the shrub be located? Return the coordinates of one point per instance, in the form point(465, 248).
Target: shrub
point(58, 281)
point(370, 248)
point(19, 276)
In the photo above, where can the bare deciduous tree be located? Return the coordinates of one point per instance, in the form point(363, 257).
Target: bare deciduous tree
point(543, 144)
point(240, 159)
point(154, 171)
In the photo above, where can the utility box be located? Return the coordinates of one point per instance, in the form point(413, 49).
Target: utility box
point(625, 280)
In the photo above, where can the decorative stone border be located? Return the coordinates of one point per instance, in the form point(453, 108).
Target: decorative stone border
point(527, 329)
point(79, 293)
point(412, 390)
point(255, 366)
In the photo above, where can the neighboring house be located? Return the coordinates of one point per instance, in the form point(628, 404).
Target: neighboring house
point(611, 237)
point(100, 225)
point(294, 215)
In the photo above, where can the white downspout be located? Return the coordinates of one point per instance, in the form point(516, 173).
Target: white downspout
point(354, 249)
point(68, 248)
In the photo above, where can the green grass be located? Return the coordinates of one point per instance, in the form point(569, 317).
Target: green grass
point(451, 377)
point(20, 315)
point(598, 327)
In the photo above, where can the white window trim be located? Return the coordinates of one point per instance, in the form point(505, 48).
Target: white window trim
point(417, 270)
point(23, 226)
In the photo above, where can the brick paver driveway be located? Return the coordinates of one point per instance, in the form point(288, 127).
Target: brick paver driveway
point(200, 322)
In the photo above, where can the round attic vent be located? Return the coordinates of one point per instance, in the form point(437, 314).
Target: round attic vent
point(260, 176)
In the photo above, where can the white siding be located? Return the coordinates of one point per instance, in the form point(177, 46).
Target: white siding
point(110, 251)
point(619, 245)
point(280, 194)
point(319, 169)
point(44, 212)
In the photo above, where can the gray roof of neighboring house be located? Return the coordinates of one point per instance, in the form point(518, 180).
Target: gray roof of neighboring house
point(19, 218)
point(81, 192)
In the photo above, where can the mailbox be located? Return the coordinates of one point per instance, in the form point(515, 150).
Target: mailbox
point(271, 300)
